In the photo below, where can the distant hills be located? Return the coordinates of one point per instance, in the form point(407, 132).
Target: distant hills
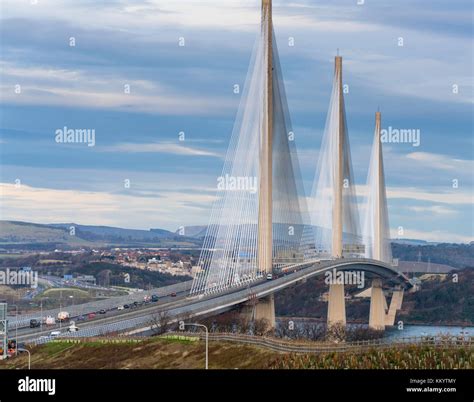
point(14, 234)
point(33, 236)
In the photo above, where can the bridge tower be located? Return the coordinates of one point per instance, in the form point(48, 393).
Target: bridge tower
point(336, 302)
point(376, 231)
point(338, 167)
point(380, 185)
point(265, 308)
point(265, 204)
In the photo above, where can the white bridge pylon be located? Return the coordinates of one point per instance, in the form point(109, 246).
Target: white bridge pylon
point(256, 228)
point(333, 205)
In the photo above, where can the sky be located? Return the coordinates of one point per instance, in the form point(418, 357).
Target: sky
point(163, 113)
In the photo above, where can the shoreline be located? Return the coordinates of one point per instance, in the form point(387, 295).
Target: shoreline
point(411, 323)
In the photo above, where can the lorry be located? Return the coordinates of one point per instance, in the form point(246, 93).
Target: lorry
point(50, 320)
point(63, 316)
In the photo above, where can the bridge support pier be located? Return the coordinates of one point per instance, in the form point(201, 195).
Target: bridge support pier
point(263, 308)
point(395, 304)
point(377, 306)
point(336, 305)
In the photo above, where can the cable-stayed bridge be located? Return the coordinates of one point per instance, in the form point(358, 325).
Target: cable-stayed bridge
point(264, 233)
point(275, 228)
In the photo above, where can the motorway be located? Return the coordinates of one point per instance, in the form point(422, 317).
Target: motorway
point(139, 320)
point(111, 316)
point(109, 304)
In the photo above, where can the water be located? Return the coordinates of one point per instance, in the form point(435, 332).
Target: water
point(427, 330)
point(393, 333)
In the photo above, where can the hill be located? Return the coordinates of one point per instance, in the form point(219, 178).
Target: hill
point(50, 236)
point(18, 233)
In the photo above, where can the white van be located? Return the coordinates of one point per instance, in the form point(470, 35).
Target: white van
point(55, 334)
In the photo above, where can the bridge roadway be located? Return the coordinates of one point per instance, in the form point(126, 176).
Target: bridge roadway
point(139, 320)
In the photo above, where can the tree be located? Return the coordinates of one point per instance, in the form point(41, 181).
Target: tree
point(261, 327)
point(160, 323)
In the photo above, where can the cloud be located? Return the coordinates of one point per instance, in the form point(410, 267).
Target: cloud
point(443, 196)
point(432, 235)
point(231, 15)
point(442, 162)
point(167, 211)
point(47, 86)
point(164, 148)
point(435, 209)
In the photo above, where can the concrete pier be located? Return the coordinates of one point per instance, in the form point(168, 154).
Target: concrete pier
point(377, 306)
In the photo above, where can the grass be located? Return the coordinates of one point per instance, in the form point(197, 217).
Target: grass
point(53, 348)
point(409, 357)
point(180, 339)
point(159, 353)
point(66, 292)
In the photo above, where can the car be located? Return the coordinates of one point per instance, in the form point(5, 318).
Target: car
point(102, 311)
point(120, 307)
point(81, 318)
point(173, 294)
point(35, 323)
point(54, 334)
point(269, 277)
point(126, 306)
point(154, 298)
point(91, 315)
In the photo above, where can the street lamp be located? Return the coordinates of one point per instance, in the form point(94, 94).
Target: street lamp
point(16, 328)
point(29, 357)
point(182, 324)
point(41, 307)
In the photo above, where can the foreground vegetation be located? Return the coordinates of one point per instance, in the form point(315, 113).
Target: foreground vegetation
point(409, 357)
point(158, 353)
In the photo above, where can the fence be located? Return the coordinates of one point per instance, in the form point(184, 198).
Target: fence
point(297, 346)
point(286, 346)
